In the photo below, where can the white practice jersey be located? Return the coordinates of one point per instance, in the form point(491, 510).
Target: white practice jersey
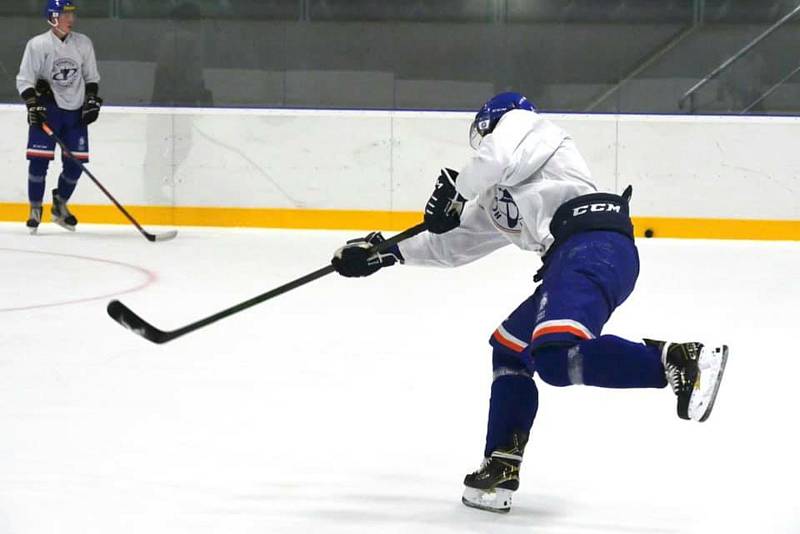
point(66, 65)
point(523, 171)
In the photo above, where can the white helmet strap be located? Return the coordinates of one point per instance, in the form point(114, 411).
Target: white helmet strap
point(53, 22)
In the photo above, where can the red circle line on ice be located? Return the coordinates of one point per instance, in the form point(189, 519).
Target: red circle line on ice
point(149, 278)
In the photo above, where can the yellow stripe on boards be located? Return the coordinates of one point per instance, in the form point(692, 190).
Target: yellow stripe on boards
point(231, 217)
point(386, 220)
point(717, 228)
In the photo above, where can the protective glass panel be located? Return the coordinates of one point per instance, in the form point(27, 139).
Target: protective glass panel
point(630, 56)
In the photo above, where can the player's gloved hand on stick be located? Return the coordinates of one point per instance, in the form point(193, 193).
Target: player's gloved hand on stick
point(37, 113)
point(91, 108)
point(43, 90)
point(443, 210)
point(358, 258)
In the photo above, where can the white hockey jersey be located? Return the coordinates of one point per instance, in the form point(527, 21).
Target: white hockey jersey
point(523, 171)
point(66, 65)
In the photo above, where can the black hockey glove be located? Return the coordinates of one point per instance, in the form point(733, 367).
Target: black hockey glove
point(43, 90)
point(357, 257)
point(91, 108)
point(443, 210)
point(37, 113)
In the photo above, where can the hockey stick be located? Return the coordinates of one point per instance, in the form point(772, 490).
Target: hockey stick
point(150, 237)
point(124, 316)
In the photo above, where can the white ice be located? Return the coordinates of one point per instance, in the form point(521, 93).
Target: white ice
point(350, 406)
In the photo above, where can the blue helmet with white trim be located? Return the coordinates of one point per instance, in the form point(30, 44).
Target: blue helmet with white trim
point(55, 8)
point(492, 111)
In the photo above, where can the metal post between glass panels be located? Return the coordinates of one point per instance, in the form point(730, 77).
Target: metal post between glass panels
point(699, 11)
point(689, 95)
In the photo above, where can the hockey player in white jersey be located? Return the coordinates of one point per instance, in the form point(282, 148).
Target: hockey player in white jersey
point(58, 80)
point(528, 185)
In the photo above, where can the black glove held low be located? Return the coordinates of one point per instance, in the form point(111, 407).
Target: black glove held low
point(91, 109)
point(443, 210)
point(37, 113)
point(358, 258)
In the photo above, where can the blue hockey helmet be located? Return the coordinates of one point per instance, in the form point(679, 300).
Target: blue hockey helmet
point(492, 111)
point(55, 8)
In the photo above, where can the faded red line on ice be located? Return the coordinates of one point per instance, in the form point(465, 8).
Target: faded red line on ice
point(150, 277)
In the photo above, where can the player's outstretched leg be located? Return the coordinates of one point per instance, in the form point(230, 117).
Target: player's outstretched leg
point(695, 372)
point(491, 486)
point(34, 218)
point(61, 214)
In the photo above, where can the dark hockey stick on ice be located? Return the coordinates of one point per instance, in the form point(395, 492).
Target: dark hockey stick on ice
point(150, 237)
point(124, 316)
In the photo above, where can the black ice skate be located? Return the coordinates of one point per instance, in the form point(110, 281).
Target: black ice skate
point(34, 219)
point(491, 486)
point(695, 372)
point(61, 214)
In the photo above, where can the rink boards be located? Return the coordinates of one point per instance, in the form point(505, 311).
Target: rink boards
point(702, 177)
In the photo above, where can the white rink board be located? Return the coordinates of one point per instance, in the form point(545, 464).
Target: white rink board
point(705, 167)
point(720, 167)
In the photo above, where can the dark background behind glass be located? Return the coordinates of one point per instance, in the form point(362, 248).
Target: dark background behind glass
point(568, 55)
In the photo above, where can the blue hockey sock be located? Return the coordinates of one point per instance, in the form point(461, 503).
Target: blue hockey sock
point(607, 361)
point(37, 170)
point(35, 189)
point(68, 179)
point(514, 401)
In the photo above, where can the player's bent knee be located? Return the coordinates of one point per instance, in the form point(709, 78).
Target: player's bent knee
point(504, 363)
point(38, 166)
point(72, 171)
point(552, 365)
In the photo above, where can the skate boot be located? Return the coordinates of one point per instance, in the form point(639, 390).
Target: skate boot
point(61, 214)
point(695, 372)
point(491, 486)
point(34, 219)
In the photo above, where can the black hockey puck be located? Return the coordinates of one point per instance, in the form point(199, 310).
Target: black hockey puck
point(648, 232)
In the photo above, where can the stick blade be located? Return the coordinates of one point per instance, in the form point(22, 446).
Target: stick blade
point(166, 236)
point(125, 316)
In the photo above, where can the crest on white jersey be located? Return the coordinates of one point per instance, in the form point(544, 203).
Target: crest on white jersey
point(504, 212)
point(65, 72)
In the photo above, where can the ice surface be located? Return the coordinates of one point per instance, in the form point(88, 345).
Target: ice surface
point(342, 406)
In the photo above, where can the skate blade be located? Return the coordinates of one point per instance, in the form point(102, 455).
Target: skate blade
point(33, 230)
point(497, 501)
point(712, 366)
point(64, 225)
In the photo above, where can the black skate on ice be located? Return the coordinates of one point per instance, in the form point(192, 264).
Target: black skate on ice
point(491, 486)
point(34, 219)
point(695, 372)
point(61, 214)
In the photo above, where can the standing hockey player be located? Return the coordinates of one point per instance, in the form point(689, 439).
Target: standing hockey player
point(528, 185)
point(58, 80)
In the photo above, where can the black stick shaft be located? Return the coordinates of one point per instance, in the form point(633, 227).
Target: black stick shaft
point(65, 150)
point(252, 302)
point(120, 313)
point(294, 284)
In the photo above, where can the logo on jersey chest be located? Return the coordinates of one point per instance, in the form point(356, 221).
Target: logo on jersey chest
point(504, 211)
point(65, 72)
